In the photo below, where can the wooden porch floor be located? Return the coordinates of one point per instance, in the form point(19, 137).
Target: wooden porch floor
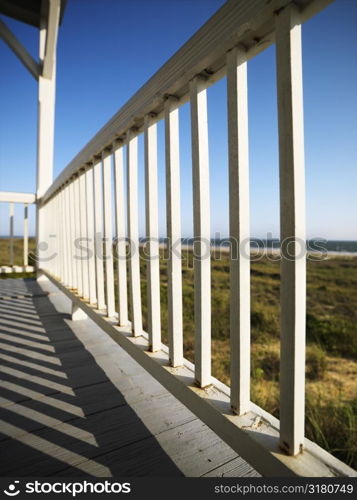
point(73, 403)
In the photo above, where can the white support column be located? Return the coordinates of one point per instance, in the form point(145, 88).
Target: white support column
point(152, 234)
point(84, 237)
point(173, 214)
point(98, 227)
point(292, 229)
point(108, 233)
point(201, 222)
point(237, 94)
point(11, 233)
point(46, 112)
point(133, 233)
point(90, 234)
point(120, 233)
point(26, 234)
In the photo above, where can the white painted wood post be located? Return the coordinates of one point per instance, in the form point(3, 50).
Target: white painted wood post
point(133, 233)
point(84, 238)
point(98, 228)
point(46, 113)
point(11, 234)
point(72, 227)
point(108, 233)
point(173, 214)
point(26, 234)
point(78, 252)
point(90, 234)
point(237, 100)
point(292, 229)
point(120, 233)
point(68, 226)
point(201, 223)
point(152, 234)
point(54, 236)
point(64, 230)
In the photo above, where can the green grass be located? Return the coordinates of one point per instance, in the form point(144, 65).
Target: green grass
point(331, 365)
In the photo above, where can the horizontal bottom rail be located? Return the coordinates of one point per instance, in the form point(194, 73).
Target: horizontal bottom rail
point(254, 435)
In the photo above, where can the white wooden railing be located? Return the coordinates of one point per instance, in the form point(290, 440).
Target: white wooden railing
point(78, 206)
point(10, 199)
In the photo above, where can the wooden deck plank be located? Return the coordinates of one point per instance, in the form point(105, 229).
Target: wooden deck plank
point(104, 415)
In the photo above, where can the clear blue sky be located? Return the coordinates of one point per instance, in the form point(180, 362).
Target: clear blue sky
point(107, 49)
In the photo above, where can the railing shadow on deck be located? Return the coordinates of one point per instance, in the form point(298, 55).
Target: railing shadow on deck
point(59, 412)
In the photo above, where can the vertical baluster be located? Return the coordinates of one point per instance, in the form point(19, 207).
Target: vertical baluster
point(90, 229)
point(64, 276)
point(26, 234)
point(292, 229)
point(78, 253)
point(237, 93)
point(108, 233)
point(120, 233)
point(68, 226)
point(152, 234)
point(201, 223)
point(72, 213)
point(56, 237)
point(11, 233)
point(98, 224)
point(133, 233)
point(173, 214)
point(84, 238)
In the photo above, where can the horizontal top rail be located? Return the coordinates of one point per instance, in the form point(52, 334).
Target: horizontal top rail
point(10, 197)
point(249, 23)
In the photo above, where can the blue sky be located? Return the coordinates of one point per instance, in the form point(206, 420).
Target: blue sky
point(107, 50)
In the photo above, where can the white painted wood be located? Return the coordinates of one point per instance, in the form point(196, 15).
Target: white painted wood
point(62, 248)
point(58, 241)
point(201, 230)
point(72, 229)
point(237, 100)
point(46, 115)
point(77, 251)
point(68, 229)
point(292, 229)
point(152, 234)
point(45, 133)
point(98, 227)
point(7, 196)
point(120, 233)
point(19, 50)
point(108, 233)
point(173, 214)
point(52, 234)
point(51, 38)
point(133, 234)
point(65, 230)
point(11, 233)
point(90, 235)
point(26, 234)
point(84, 237)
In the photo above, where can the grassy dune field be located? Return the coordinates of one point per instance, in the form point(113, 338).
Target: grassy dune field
point(331, 357)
